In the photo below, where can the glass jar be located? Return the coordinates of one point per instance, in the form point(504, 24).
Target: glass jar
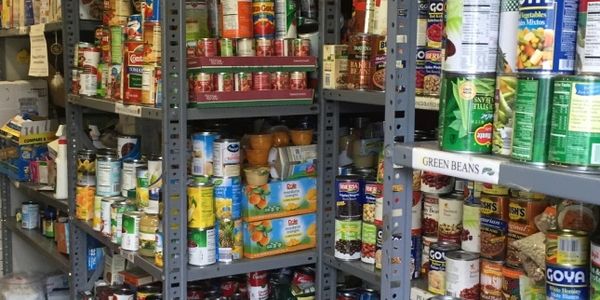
point(148, 228)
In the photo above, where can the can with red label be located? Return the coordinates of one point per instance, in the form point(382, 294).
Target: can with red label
point(134, 28)
point(152, 42)
point(229, 286)
point(280, 80)
point(132, 77)
point(227, 47)
point(201, 82)
point(431, 215)
point(261, 81)
point(264, 47)
point(450, 218)
point(103, 37)
point(242, 82)
point(301, 47)
point(263, 17)
point(258, 285)
point(207, 47)
point(246, 47)
point(224, 82)
point(90, 58)
point(298, 81)
point(417, 213)
point(283, 47)
point(115, 85)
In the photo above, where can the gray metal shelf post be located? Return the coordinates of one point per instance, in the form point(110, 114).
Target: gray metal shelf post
point(6, 234)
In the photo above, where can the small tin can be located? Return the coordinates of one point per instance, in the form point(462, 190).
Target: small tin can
point(229, 234)
point(369, 240)
point(283, 47)
point(131, 231)
point(462, 275)
point(567, 281)
point(491, 280)
point(134, 27)
point(280, 80)
point(226, 157)
point(128, 146)
point(243, 81)
point(348, 238)
point(435, 183)
point(431, 215)
point(201, 205)
point(301, 47)
point(201, 82)
point(228, 197)
point(450, 218)
point(202, 246)
point(202, 152)
point(246, 47)
point(117, 209)
point(436, 277)
point(227, 47)
point(86, 167)
point(224, 82)
point(152, 42)
point(264, 47)
point(129, 174)
point(108, 175)
point(567, 247)
point(298, 81)
point(30, 215)
point(261, 81)
point(349, 195)
point(207, 47)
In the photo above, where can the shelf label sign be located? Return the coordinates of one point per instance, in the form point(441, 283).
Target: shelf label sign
point(129, 110)
point(38, 61)
point(456, 164)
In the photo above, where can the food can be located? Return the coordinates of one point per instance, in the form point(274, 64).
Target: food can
point(30, 215)
point(155, 171)
point(142, 187)
point(368, 242)
point(301, 47)
point(229, 235)
point(378, 247)
point(494, 207)
point(105, 209)
point(117, 209)
point(588, 50)
point(566, 247)
point(471, 228)
point(359, 61)
point(242, 81)
point(595, 269)
point(298, 81)
point(507, 39)
point(151, 85)
point(467, 112)
point(235, 18)
point(117, 39)
point(103, 41)
point(116, 12)
point(132, 77)
point(149, 291)
point(108, 175)
point(280, 80)
point(123, 293)
point(228, 197)
point(450, 218)
point(115, 84)
point(511, 286)
point(286, 20)
point(84, 202)
point(224, 82)
point(436, 278)
point(129, 174)
point(472, 191)
point(151, 10)
point(283, 46)
point(427, 241)
point(202, 152)
point(573, 141)
point(202, 248)
point(416, 254)
point(86, 167)
point(491, 280)
point(152, 42)
point(261, 81)
point(89, 59)
point(263, 17)
point(88, 83)
point(431, 214)
point(134, 27)
point(462, 275)
point(201, 82)
point(377, 64)
point(207, 47)
point(246, 47)
point(348, 241)
point(506, 95)
point(264, 47)
point(258, 285)
point(433, 72)
point(494, 226)
point(131, 231)
point(533, 108)
point(75, 81)
point(128, 146)
point(226, 157)
point(567, 282)
point(521, 224)
point(435, 183)
point(97, 213)
point(349, 196)
point(102, 79)
point(420, 69)
point(435, 23)
point(154, 201)
point(201, 205)
point(78, 58)
point(546, 36)
point(416, 212)
point(227, 47)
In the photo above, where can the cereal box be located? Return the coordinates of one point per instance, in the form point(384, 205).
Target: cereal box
point(279, 199)
point(278, 236)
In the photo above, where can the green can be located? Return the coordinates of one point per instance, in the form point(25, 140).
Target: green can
point(506, 95)
point(226, 47)
point(117, 39)
point(575, 124)
point(531, 133)
point(131, 231)
point(466, 112)
point(116, 220)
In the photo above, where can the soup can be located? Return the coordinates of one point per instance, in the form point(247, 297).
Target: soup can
point(280, 80)
point(151, 88)
point(133, 72)
point(283, 47)
point(201, 82)
point(368, 243)
point(201, 205)
point(301, 47)
point(131, 231)
point(242, 81)
point(202, 246)
point(224, 82)
point(567, 281)
point(264, 47)
point(261, 81)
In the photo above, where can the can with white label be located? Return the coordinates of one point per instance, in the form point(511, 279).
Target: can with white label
point(30, 215)
point(226, 157)
point(462, 274)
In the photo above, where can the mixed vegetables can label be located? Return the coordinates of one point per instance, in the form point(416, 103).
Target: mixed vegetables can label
point(532, 110)
point(466, 112)
point(506, 94)
point(546, 36)
point(575, 125)
point(588, 37)
point(507, 39)
point(471, 29)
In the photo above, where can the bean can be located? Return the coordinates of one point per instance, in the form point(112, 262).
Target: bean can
point(133, 72)
point(462, 275)
point(436, 279)
point(263, 16)
point(369, 240)
point(224, 82)
point(427, 241)
point(505, 98)
point(435, 183)
point(131, 231)
point(236, 18)
point(511, 286)
point(228, 195)
point(359, 61)
point(416, 225)
point(226, 157)
point(227, 47)
point(450, 218)
point(202, 246)
point(348, 238)
point(298, 81)
point(242, 81)
point(280, 80)
point(201, 205)
point(567, 247)
point(108, 175)
point(261, 81)
point(431, 215)
point(435, 23)
point(567, 282)
point(283, 47)
point(494, 226)
point(521, 224)
point(230, 242)
point(201, 82)
point(491, 280)
point(471, 232)
point(349, 194)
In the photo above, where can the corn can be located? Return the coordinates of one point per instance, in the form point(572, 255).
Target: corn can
point(201, 205)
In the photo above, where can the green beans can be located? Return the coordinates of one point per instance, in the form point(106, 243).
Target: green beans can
point(131, 231)
point(506, 94)
point(116, 220)
point(466, 112)
point(575, 124)
point(531, 116)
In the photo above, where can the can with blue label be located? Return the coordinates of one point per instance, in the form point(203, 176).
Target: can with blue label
point(546, 36)
point(151, 10)
point(416, 255)
point(134, 28)
point(567, 282)
point(350, 195)
point(228, 195)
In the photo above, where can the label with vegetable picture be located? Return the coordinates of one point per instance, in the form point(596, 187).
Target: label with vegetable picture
point(506, 94)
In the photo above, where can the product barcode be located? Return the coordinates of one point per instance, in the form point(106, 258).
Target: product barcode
point(327, 80)
point(569, 246)
point(565, 64)
point(595, 157)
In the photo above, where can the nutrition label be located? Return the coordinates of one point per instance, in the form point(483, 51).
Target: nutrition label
point(525, 120)
point(590, 62)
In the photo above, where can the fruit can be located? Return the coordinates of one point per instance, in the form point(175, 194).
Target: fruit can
point(434, 183)
point(152, 42)
point(132, 77)
point(201, 205)
point(435, 23)
point(286, 19)
point(84, 202)
point(30, 213)
point(298, 81)
point(301, 47)
point(131, 231)
point(467, 112)
point(471, 232)
point(574, 144)
point(263, 17)
point(462, 275)
point(471, 36)
point(134, 27)
point(227, 47)
point(242, 81)
point(151, 10)
point(128, 146)
point(105, 214)
point(230, 242)
point(373, 190)
point(595, 269)
point(236, 18)
point(88, 83)
point(228, 197)
point(436, 278)
point(246, 47)
point(450, 218)
point(117, 209)
point(532, 119)
point(349, 196)
point(505, 98)
point(264, 47)
point(283, 46)
point(348, 240)
point(507, 39)
point(511, 286)
point(431, 215)
point(261, 81)
point(588, 48)
point(359, 61)
point(546, 36)
point(567, 247)
point(97, 213)
point(567, 282)
point(201, 82)
point(86, 167)
point(150, 80)
point(491, 280)
point(207, 47)
point(280, 80)
point(226, 157)
point(202, 152)
point(368, 241)
point(202, 248)
point(129, 173)
point(416, 249)
point(108, 175)
point(427, 241)
point(223, 82)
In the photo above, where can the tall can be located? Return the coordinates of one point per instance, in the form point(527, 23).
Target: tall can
point(230, 242)
point(359, 61)
point(546, 36)
point(450, 218)
point(86, 167)
point(263, 18)
point(202, 246)
point(131, 231)
point(506, 95)
point(471, 240)
point(471, 43)
point(132, 75)
point(228, 197)
point(286, 19)
point(129, 173)
point(236, 18)
point(152, 42)
point(214, 28)
point(462, 275)
point(507, 37)
point(436, 277)
point(155, 171)
point(196, 20)
point(201, 212)
point(226, 157)
point(567, 282)
point(108, 175)
point(588, 44)
point(202, 152)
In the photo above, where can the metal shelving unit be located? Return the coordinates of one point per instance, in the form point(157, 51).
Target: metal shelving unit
point(376, 98)
point(32, 191)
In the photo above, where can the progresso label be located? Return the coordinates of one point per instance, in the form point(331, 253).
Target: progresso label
point(567, 283)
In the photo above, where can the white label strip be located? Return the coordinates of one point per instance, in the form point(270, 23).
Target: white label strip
point(456, 164)
point(129, 110)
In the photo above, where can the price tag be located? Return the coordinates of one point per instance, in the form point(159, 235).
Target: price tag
point(458, 165)
point(419, 294)
point(128, 255)
point(129, 110)
point(427, 103)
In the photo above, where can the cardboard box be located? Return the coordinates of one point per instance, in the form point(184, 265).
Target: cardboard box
point(335, 66)
point(279, 199)
point(278, 236)
point(136, 277)
point(23, 96)
point(294, 161)
point(113, 265)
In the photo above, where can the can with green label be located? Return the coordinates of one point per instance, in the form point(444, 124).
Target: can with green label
point(202, 247)
point(131, 231)
point(466, 112)
point(506, 94)
point(531, 133)
point(575, 124)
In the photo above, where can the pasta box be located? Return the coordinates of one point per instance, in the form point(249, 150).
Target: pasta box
point(278, 236)
point(279, 199)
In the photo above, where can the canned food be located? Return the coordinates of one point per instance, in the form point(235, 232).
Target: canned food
point(226, 157)
point(427, 241)
point(129, 174)
point(151, 10)
point(416, 212)
point(373, 190)
point(378, 247)
point(368, 240)
point(521, 214)
point(97, 213)
point(132, 77)
point(116, 12)
point(301, 47)
point(236, 19)
point(471, 228)
point(433, 72)
point(491, 280)
point(201, 205)
point(348, 238)
point(242, 81)
point(155, 171)
point(436, 183)
point(84, 202)
point(493, 238)
point(128, 146)
point(261, 81)
point(102, 79)
point(151, 77)
point(201, 82)
point(152, 42)
point(108, 175)
point(416, 247)
point(263, 16)
point(494, 207)
point(359, 56)
point(298, 81)
point(30, 215)
point(131, 231)
point(207, 47)
point(283, 47)
point(224, 82)
point(349, 194)
point(229, 235)
point(511, 282)
point(264, 47)
point(146, 291)
point(258, 285)
point(88, 83)
point(450, 218)
point(280, 80)
point(115, 84)
point(436, 277)
point(567, 247)
point(117, 39)
point(89, 59)
point(86, 167)
point(123, 293)
point(142, 187)
point(75, 81)
point(246, 47)
point(435, 23)
point(227, 47)
point(462, 275)
point(594, 269)
point(134, 28)
point(567, 281)
point(201, 246)
point(494, 189)
point(105, 211)
point(431, 215)
point(202, 152)
point(506, 94)
point(228, 197)
point(117, 209)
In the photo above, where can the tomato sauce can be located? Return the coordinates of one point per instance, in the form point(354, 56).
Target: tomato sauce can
point(224, 82)
point(368, 243)
point(131, 231)
point(226, 157)
point(491, 280)
point(152, 42)
point(134, 27)
point(150, 80)
point(280, 80)
point(207, 47)
point(471, 232)
point(283, 47)
point(201, 82)
point(258, 285)
point(431, 215)
point(261, 81)
point(151, 10)
point(416, 212)
point(450, 218)
point(263, 17)
point(349, 196)
point(201, 205)
point(359, 61)
point(511, 282)
point(301, 47)
point(264, 47)
point(434, 183)
point(567, 247)
point(132, 79)
point(246, 47)
point(228, 197)
point(436, 278)
point(236, 18)
point(227, 47)
point(298, 80)
point(507, 39)
point(427, 241)
point(348, 242)
point(242, 81)
point(202, 248)
point(462, 275)
point(567, 282)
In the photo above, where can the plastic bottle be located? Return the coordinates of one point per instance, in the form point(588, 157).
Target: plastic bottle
point(61, 190)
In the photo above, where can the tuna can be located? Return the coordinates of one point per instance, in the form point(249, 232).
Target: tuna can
point(261, 81)
point(368, 242)
point(202, 248)
point(88, 83)
point(229, 236)
point(431, 215)
point(226, 157)
point(223, 82)
point(348, 238)
point(507, 39)
point(151, 10)
point(546, 36)
point(567, 247)
point(155, 171)
point(491, 280)
point(301, 47)
point(132, 77)
point(588, 47)
point(435, 183)
point(427, 241)
point(462, 275)
point(595, 269)
point(236, 19)
point(228, 197)
point(86, 167)
point(450, 218)
point(150, 85)
point(416, 212)
point(242, 81)
point(471, 232)
point(117, 39)
point(30, 215)
point(128, 146)
point(202, 152)
point(350, 196)
point(467, 112)
point(105, 210)
point(286, 20)
point(117, 209)
point(201, 205)
point(436, 277)
point(246, 47)
point(129, 174)
point(359, 61)
point(533, 108)
point(84, 202)
point(506, 95)
point(298, 81)
point(201, 82)
point(416, 253)
point(134, 27)
point(227, 47)
point(108, 175)
point(574, 143)
point(283, 46)
point(131, 231)
point(152, 42)
point(280, 80)
point(567, 282)
point(471, 43)
point(511, 286)
point(264, 47)
point(263, 17)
